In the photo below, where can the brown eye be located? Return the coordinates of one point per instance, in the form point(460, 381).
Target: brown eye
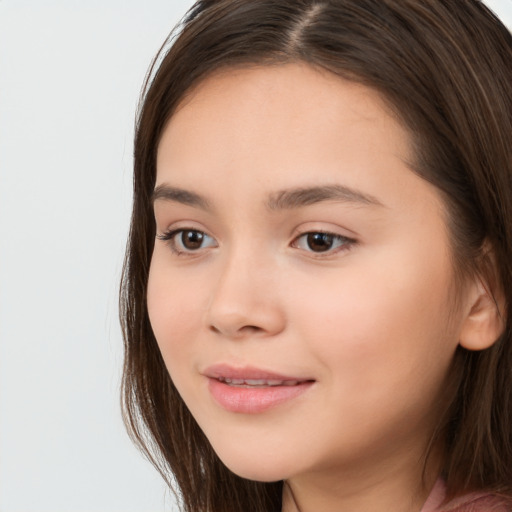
point(319, 242)
point(182, 241)
point(191, 240)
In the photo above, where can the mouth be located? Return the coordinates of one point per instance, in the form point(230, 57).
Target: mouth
point(257, 383)
point(251, 390)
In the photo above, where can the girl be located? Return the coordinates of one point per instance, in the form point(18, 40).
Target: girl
point(316, 290)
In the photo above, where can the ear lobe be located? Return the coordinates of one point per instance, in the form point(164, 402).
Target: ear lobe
point(484, 323)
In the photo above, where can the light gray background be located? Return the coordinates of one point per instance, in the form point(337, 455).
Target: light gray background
point(70, 76)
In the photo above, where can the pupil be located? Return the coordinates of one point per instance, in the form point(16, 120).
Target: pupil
point(192, 239)
point(320, 242)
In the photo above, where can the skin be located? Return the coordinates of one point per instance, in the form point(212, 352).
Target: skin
point(372, 321)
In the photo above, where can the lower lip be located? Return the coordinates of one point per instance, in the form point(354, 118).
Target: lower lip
point(253, 400)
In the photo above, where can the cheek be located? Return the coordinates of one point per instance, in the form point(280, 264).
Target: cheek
point(174, 307)
point(380, 325)
point(383, 341)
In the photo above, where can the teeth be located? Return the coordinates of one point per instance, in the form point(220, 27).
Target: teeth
point(258, 382)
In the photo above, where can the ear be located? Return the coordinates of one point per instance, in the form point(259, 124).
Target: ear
point(484, 322)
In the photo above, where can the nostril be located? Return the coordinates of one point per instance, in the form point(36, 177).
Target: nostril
point(252, 328)
point(241, 331)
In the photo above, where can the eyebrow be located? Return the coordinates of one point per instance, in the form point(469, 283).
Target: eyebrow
point(304, 196)
point(179, 195)
point(282, 200)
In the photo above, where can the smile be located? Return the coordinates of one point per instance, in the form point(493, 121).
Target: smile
point(260, 383)
point(251, 390)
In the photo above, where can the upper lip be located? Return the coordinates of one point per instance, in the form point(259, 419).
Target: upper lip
point(225, 371)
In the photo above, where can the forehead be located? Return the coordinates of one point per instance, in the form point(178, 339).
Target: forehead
point(290, 111)
point(263, 84)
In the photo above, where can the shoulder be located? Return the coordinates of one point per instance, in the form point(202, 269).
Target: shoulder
point(478, 502)
point(473, 502)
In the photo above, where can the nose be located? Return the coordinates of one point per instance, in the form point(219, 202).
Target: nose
point(245, 301)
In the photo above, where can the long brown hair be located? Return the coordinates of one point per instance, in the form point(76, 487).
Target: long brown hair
point(445, 68)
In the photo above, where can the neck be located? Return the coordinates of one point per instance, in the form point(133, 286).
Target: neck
point(386, 486)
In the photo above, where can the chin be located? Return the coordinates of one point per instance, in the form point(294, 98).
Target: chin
point(251, 467)
point(257, 474)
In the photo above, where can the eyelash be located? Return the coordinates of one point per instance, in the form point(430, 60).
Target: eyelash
point(170, 238)
point(343, 243)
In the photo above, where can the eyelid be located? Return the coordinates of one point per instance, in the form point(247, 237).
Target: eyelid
point(169, 237)
point(346, 243)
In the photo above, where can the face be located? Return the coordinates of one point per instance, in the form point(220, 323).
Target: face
point(301, 283)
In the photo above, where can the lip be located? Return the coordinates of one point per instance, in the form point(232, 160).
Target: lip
point(229, 387)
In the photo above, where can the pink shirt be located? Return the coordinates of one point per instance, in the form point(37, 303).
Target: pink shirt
point(474, 502)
